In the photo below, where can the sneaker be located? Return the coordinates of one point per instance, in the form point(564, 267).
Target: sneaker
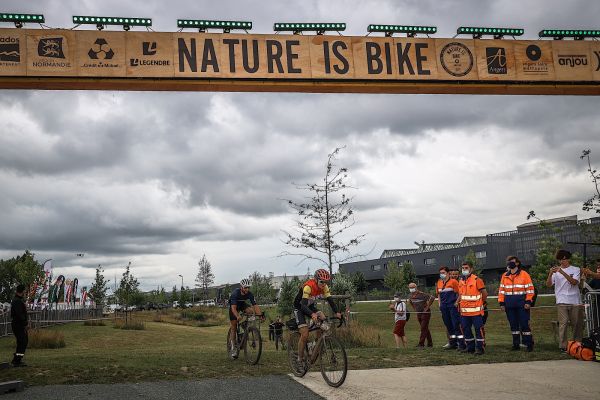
point(447, 346)
point(563, 350)
point(462, 350)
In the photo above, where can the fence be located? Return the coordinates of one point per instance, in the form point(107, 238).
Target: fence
point(592, 311)
point(45, 318)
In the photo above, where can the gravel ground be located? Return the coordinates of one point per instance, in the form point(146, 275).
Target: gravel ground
point(263, 388)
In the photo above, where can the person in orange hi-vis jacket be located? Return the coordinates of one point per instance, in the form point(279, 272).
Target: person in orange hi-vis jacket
point(471, 296)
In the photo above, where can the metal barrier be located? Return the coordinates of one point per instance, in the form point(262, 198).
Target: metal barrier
point(46, 318)
point(592, 310)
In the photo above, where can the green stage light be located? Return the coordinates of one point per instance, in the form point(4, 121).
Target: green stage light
point(203, 24)
point(320, 28)
point(498, 33)
point(410, 30)
point(578, 34)
point(20, 19)
point(100, 22)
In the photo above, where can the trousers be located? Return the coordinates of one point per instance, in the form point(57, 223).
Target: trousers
point(467, 323)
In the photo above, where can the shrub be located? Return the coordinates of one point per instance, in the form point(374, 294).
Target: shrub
point(129, 325)
point(46, 339)
point(194, 315)
point(355, 335)
point(94, 322)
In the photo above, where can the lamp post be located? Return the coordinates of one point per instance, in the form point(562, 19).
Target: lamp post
point(181, 295)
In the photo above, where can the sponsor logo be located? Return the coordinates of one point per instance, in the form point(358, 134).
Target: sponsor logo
point(10, 50)
point(149, 48)
point(572, 61)
point(456, 59)
point(597, 53)
point(496, 60)
point(535, 65)
point(533, 52)
point(51, 47)
point(100, 50)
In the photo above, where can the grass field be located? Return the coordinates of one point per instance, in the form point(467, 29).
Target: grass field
point(165, 351)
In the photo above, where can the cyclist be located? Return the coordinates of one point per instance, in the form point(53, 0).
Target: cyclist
point(237, 306)
point(304, 306)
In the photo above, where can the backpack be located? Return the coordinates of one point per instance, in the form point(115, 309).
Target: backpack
point(578, 351)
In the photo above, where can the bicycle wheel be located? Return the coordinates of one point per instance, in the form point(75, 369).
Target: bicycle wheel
point(252, 346)
point(334, 363)
point(231, 347)
point(292, 350)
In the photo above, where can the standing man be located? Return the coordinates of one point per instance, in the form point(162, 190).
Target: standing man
point(447, 294)
point(471, 296)
point(20, 325)
point(278, 333)
point(515, 296)
point(421, 303)
point(565, 279)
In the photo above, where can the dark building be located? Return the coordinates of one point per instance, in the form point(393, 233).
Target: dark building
point(490, 251)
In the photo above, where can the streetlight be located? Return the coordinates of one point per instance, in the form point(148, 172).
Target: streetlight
point(181, 294)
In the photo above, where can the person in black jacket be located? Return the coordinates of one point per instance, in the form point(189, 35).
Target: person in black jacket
point(18, 313)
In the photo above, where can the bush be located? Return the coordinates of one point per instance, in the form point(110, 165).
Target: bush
point(355, 335)
point(46, 339)
point(94, 322)
point(194, 315)
point(129, 325)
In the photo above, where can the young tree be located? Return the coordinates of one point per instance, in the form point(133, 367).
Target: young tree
point(205, 276)
point(397, 278)
point(343, 284)
point(174, 295)
point(593, 203)
point(99, 287)
point(262, 287)
point(128, 288)
point(359, 281)
point(287, 293)
point(324, 219)
point(22, 269)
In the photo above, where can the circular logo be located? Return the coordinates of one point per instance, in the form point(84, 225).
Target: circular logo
point(533, 52)
point(456, 59)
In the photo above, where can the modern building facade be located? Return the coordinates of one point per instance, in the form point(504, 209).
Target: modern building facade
point(490, 250)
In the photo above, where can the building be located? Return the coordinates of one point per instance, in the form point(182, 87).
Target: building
point(490, 251)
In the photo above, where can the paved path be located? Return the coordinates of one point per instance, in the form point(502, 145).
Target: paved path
point(538, 380)
point(263, 388)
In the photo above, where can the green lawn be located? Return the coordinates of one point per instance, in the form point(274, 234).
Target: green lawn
point(163, 351)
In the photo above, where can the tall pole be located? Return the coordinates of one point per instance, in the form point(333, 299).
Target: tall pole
point(181, 294)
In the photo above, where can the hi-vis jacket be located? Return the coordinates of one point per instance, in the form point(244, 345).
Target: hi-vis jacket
point(447, 292)
point(471, 301)
point(515, 290)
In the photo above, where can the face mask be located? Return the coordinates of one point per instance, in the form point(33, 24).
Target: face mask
point(466, 272)
point(412, 290)
point(442, 276)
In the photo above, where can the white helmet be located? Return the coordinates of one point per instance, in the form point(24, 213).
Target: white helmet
point(245, 283)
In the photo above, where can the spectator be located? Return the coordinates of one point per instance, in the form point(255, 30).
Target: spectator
point(565, 279)
point(271, 330)
point(515, 296)
point(278, 332)
point(472, 296)
point(399, 308)
point(421, 303)
point(20, 325)
point(454, 274)
point(447, 294)
point(595, 282)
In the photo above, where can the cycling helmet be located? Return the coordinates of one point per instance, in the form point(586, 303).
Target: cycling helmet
point(322, 275)
point(245, 283)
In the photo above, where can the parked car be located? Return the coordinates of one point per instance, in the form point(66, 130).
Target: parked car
point(175, 304)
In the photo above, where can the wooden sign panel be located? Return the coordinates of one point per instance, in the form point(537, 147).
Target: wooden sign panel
point(495, 60)
point(101, 53)
point(13, 51)
point(534, 61)
point(51, 53)
point(416, 58)
point(298, 63)
point(150, 54)
point(456, 59)
point(572, 61)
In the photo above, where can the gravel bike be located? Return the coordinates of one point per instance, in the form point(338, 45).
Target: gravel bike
point(327, 351)
point(247, 338)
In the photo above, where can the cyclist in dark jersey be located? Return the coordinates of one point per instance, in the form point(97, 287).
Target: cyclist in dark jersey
point(304, 305)
point(237, 306)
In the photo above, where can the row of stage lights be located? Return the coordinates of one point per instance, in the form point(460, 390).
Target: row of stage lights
point(320, 28)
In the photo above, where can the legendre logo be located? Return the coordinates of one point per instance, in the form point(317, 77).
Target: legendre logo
point(148, 49)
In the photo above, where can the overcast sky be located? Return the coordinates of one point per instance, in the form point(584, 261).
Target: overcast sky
point(159, 179)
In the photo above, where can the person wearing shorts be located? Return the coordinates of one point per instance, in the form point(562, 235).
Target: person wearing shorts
point(399, 308)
